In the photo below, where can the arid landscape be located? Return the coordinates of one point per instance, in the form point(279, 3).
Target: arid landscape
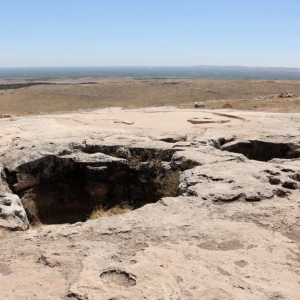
point(69, 95)
point(156, 201)
point(150, 150)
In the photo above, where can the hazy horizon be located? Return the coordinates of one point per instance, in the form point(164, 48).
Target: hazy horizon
point(158, 72)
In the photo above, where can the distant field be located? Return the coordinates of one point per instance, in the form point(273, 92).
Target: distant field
point(40, 98)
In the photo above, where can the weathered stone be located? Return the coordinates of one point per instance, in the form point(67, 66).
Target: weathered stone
point(24, 181)
point(128, 122)
point(199, 104)
point(217, 215)
point(174, 138)
point(12, 213)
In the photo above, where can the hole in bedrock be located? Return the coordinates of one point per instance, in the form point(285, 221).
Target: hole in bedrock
point(70, 194)
point(263, 151)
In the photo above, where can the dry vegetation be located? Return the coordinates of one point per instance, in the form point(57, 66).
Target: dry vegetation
point(103, 212)
point(42, 99)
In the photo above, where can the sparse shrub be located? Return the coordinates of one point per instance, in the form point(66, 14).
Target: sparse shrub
point(22, 85)
point(100, 211)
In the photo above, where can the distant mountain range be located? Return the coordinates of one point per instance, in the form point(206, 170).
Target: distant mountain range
point(244, 68)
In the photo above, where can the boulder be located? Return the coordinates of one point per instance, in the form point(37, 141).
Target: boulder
point(199, 104)
point(12, 213)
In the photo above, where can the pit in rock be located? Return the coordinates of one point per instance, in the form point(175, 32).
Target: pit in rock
point(263, 150)
point(66, 189)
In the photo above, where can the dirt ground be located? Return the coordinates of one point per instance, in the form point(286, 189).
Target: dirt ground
point(71, 95)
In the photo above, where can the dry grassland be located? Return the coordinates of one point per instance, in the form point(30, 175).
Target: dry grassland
point(42, 99)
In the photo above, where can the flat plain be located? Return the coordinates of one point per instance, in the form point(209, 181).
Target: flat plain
point(66, 95)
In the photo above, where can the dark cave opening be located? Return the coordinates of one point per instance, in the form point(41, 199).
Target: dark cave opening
point(262, 150)
point(69, 191)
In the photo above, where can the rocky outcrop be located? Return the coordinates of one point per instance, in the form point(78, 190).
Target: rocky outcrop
point(215, 206)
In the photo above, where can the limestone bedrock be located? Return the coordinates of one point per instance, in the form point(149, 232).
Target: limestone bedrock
point(231, 230)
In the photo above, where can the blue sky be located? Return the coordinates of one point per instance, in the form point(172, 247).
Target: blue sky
point(149, 33)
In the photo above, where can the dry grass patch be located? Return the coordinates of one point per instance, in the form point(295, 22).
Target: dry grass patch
point(100, 212)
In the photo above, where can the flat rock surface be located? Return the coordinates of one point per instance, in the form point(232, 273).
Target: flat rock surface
point(233, 231)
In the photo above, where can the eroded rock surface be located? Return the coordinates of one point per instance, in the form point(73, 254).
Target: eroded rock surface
point(216, 205)
point(12, 213)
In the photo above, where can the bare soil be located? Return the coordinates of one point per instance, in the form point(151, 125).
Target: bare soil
point(128, 93)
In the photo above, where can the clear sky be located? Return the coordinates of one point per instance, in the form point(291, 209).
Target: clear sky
point(149, 33)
